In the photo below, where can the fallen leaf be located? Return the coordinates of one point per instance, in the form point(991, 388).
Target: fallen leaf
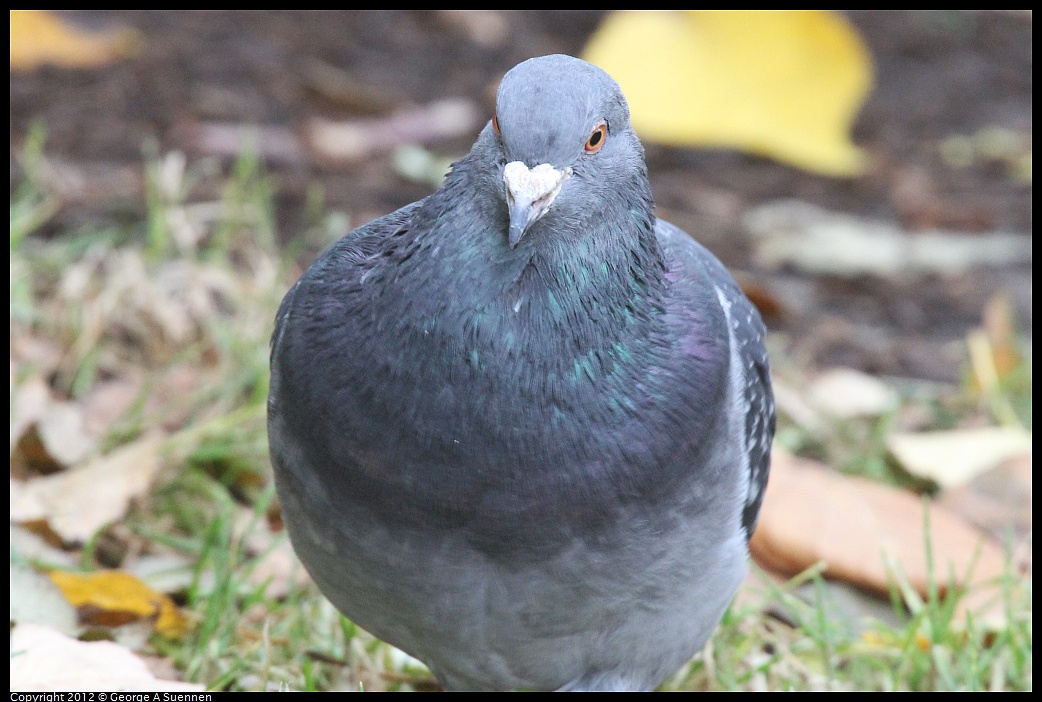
point(30, 547)
point(769, 304)
point(996, 358)
point(847, 393)
point(862, 531)
point(792, 403)
point(63, 434)
point(44, 660)
point(999, 501)
point(42, 37)
point(113, 598)
point(951, 458)
point(1001, 328)
point(153, 311)
point(815, 240)
point(79, 502)
point(35, 599)
point(784, 84)
point(348, 91)
point(360, 139)
point(274, 143)
point(30, 457)
point(29, 401)
point(39, 354)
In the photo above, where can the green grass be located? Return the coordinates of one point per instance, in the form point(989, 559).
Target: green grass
point(98, 291)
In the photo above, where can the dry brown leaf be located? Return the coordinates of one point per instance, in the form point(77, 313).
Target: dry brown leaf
point(770, 305)
point(63, 434)
point(811, 239)
point(951, 458)
point(39, 354)
point(999, 502)
point(154, 311)
point(77, 503)
point(793, 404)
point(44, 660)
point(346, 90)
point(360, 139)
point(861, 530)
point(29, 402)
point(114, 598)
point(28, 546)
point(30, 458)
point(273, 143)
point(996, 357)
point(847, 393)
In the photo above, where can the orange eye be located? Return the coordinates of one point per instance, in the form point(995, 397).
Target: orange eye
point(495, 123)
point(597, 137)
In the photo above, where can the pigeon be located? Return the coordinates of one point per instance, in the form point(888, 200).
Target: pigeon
point(520, 429)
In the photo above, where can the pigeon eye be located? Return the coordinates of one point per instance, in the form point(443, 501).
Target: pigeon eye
point(495, 123)
point(597, 137)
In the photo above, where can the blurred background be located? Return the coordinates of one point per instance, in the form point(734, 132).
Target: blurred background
point(865, 174)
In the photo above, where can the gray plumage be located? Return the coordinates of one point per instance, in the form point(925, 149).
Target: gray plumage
point(521, 429)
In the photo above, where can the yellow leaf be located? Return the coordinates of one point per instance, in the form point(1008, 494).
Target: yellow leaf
point(783, 84)
point(114, 598)
point(40, 36)
point(1001, 329)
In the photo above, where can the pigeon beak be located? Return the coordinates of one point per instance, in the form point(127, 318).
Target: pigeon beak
point(530, 192)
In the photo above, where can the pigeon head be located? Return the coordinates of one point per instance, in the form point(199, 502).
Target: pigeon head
point(562, 130)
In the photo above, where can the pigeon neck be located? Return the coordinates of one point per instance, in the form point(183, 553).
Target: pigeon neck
point(569, 293)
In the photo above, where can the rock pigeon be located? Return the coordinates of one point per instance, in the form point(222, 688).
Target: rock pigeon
point(521, 428)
